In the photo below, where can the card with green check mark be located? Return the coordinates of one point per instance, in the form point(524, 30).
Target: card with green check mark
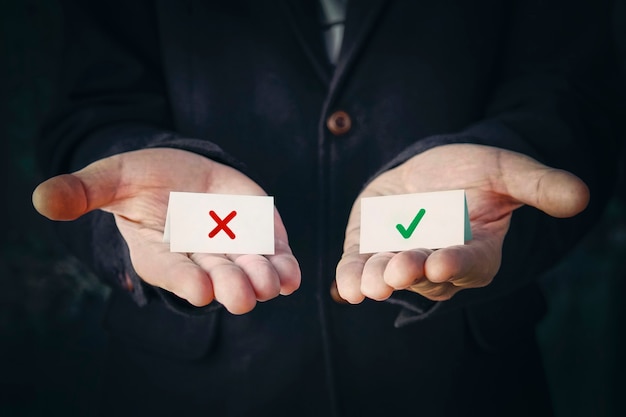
point(425, 220)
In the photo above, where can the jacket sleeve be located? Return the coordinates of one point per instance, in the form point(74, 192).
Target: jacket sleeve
point(558, 98)
point(111, 99)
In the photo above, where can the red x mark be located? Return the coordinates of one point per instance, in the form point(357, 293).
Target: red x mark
point(221, 224)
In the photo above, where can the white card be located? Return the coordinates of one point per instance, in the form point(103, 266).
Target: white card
point(410, 221)
point(220, 223)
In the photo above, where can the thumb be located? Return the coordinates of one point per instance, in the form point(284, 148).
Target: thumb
point(69, 196)
point(554, 191)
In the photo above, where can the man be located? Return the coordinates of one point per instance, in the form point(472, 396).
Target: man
point(512, 102)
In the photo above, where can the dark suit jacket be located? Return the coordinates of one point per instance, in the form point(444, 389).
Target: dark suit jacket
point(247, 83)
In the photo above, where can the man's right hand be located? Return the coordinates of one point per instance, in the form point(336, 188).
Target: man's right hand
point(135, 187)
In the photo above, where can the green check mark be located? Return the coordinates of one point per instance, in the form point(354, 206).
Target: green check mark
point(406, 233)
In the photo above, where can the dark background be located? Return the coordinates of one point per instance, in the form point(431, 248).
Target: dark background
point(51, 343)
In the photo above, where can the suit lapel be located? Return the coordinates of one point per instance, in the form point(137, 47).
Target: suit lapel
point(303, 16)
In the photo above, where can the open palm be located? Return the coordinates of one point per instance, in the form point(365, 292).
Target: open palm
point(135, 187)
point(496, 182)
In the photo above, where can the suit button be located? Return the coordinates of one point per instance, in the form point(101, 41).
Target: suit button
point(339, 123)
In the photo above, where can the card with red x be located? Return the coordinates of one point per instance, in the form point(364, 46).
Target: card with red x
point(220, 223)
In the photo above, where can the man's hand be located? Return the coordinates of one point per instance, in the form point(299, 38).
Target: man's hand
point(135, 187)
point(496, 183)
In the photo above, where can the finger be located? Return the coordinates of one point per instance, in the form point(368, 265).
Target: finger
point(156, 265)
point(60, 198)
point(350, 267)
point(261, 275)
point(372, 283)
point(285, 264)
point(406, 268)
point(69, 196)
point(348, 276)
point(556, 192)
point(231, 285)
point(288, 271)
point(467, 266)
point(334, 293)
